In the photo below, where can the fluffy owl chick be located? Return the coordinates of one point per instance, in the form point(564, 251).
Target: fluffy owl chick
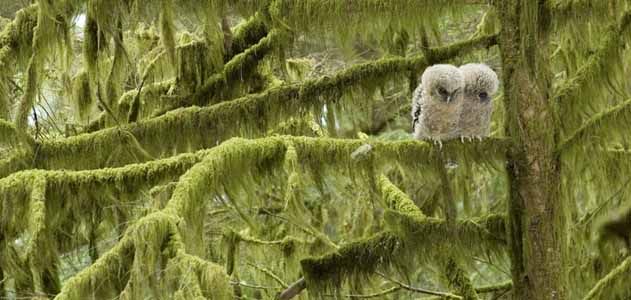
point(481, 83)
point(437, 103)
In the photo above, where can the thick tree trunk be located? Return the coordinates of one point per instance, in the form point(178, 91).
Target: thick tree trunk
point(536, 213)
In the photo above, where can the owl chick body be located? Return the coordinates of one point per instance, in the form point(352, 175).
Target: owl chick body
point(481, 83)
point(437, 103)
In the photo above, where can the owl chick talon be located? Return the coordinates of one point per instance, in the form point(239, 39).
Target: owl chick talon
point(439, 143)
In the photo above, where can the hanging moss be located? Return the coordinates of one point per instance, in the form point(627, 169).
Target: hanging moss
point(167, 29)
point(238, 69)
point(81, 95)
point(5, 103)
point(602, 71)
point(614, 285)
point(246, 35)
point(116, 77)
point(16, 38)
point(594, 129)
point(11, 136)
point(354, 263)
point(459, 281)
point(427, 235)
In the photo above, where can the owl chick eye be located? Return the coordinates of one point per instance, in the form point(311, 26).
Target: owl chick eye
point(442, 91)
point(483, 96)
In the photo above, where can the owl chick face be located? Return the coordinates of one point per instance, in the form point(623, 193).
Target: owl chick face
point(443, 83)
point(481, 83)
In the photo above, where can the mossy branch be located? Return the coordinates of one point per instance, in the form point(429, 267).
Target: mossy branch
point(566, 12)
point(459, 280)
point(11, 136)
point(597, 67)
point(354, 262)
point(126, 177)
point(616, 117)
point(614, 285)
point(226, 119)
point(217, 87)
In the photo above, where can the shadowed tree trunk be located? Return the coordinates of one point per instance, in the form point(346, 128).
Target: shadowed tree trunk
point(537, 226)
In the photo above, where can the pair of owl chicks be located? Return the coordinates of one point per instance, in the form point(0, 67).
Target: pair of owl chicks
point(452, 102)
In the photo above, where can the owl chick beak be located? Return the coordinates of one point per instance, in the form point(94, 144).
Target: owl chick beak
point(452, 95)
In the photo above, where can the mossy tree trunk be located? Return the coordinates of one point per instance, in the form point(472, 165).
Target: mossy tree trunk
point(537, 225)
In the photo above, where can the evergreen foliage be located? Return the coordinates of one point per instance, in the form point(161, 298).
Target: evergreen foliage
point(223, 149)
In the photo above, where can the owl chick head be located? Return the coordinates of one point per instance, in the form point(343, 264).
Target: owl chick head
point(443, 82)
point(480, 82)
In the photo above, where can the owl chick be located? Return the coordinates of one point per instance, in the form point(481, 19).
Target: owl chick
point(437, 103)
point(480, 84)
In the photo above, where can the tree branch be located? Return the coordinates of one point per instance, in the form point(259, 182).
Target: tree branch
point(184, 125)
point(595, 65)
point(614, 285)
point(293, 290)
point(619, 114)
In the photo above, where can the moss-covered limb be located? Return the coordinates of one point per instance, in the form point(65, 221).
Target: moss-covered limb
point(589, 84)
point(568, 11)
point(428, 235)
point(502, 286)
point(221, 121)
point(431, 237)
point(219, 86)
point(9, 135)
point(17, 37)
point(361, 18)
point(372, 72)
point(353, 262)
point(212, 278)
point(614, 285)
point(236, 157)
point(459, 280)
point(396, 199)
point(151, 241)
point(127, 177)
point(437, 55)
point(15, 49)
point(595, 128)
point(104, 276)
point(246, 35)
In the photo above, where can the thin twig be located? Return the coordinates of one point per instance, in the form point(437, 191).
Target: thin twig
point(420, 290)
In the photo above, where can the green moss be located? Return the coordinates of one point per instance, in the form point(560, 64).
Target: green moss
point(459, 281)
point(427, 235)
point(354, 262)
point(167, 29)
point(81, 95)
point(595, 129)
point(596, 81)
point(614, 285)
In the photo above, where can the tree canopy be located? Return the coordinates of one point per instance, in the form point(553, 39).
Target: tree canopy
point(261, 149)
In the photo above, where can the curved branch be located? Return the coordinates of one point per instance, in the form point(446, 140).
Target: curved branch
point(614, 285)
point(201, 127)
point(596, 64)
point(619, 114)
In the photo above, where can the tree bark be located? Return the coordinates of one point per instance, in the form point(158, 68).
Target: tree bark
point(537, 227)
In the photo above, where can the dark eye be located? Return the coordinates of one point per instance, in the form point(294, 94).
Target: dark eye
point(483, 96)
point(442, 91)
